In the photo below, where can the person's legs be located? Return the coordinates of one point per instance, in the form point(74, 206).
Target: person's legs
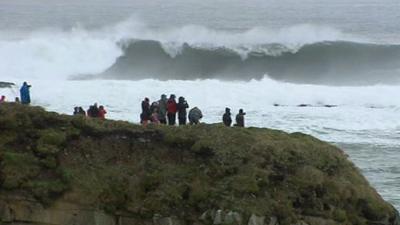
point(171, 119)
point(163, 121)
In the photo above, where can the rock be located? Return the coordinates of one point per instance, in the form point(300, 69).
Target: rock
point(5, 212)
point(6, 84)
point(218, 217)
point(166, 221)
point(300, 223)
point(256, 220)
point(396, 219)
point(233, 218)
point(168, 171)
point(311, 220)
point(273, 221)
point(304, 105)
point(59, 214)
point(122, 220)
point(204, 216)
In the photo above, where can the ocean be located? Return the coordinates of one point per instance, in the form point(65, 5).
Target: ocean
point(339, 59)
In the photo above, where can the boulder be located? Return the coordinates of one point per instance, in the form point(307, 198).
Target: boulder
point(256, 220)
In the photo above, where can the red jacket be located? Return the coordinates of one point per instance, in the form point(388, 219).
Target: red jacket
point(102, 114)
point(171, 106)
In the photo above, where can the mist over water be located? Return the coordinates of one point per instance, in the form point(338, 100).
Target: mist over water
point(243, 54)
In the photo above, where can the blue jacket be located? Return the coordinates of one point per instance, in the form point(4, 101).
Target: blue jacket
point(25, 95)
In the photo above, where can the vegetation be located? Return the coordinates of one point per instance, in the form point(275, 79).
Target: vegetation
point(181, 171)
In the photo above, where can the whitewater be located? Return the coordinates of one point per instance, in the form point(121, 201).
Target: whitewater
point(281, 63)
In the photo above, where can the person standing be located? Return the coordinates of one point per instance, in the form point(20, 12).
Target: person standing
point(226, 118)
point(76, 111)
point(93, 111)
point(182, 112)
point(102, 112)
point(3, 99)
point(25, 93)
point(171, 109)
point(240, 118)
point(162, 109)
point(146, 113)
point(81, 111)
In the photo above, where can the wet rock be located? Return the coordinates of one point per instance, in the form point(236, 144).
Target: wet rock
point(304, 105)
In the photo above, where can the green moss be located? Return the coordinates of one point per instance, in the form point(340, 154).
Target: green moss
point(51, 137)
point(182, 171)
point(18, 168)
point(339, 215)
point(46, 190)
point(49, 162)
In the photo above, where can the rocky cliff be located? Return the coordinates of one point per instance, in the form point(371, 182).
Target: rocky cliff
point(63, 170)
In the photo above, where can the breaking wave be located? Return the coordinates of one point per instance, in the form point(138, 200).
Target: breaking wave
point(327, 62)
point(133, 50)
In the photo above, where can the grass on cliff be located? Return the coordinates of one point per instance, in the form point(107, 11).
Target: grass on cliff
point(181, 171)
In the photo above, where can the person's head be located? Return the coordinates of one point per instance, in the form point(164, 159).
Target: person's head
point(76, 109)
point(163, 96)
point(80, 109)
point(101, 107)
point(3, 98)
point(172, 96)
point(181, 99)
point(95, 104)
point(16, 99)
point(25, 83)
point(242, 112)
point(227, 110)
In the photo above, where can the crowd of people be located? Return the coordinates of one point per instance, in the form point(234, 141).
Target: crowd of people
point(167, 110)
point(164, 111)
point(94, 111)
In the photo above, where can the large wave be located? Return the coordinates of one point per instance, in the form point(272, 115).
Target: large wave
point(328, 62)
point(133, 50)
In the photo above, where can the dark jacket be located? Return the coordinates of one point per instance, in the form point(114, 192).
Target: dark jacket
point(181, 107)
point(93, 111)
point(240, 120)
point(227, 119)
point(146, 113)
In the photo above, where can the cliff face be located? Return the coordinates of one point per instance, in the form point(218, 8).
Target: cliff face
point(64, 170)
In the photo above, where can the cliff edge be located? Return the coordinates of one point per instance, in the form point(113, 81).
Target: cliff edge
point(64, 170)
